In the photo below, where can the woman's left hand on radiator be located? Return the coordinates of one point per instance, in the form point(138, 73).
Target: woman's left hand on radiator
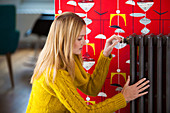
point(136, 90)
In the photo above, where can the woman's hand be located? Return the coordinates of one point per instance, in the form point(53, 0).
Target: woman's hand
point(134, 91)
point(110, 43)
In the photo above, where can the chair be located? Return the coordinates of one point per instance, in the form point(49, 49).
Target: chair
point(9, 36)
point(40, 28)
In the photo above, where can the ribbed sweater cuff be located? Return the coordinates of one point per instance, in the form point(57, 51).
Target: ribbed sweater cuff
point(103, 62)
point(120, 101)
point(108, 58)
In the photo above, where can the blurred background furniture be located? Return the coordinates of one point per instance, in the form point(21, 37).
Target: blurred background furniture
point(9, 37)
point(40, 28)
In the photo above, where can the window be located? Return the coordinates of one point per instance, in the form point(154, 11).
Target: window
point(36, 6)
point(37, 0)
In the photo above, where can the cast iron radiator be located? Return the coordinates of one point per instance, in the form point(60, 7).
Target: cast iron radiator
point(150, 58)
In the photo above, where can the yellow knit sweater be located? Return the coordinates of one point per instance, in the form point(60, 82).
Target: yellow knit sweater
point(62, 96)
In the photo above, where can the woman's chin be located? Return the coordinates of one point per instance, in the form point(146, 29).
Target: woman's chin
point(78, 53)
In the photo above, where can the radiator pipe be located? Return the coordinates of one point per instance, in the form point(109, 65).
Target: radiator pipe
point(159, 74)
point(132, 67)
point(141, 69)
point(167, 73)
point(150, 73)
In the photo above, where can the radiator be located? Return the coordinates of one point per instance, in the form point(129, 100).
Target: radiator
point(150, 58)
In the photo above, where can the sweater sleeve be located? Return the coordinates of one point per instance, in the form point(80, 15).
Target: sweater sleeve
point(67, 93)
point(92, 84)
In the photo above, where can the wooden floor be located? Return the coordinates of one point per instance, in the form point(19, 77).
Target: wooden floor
point(15, 100)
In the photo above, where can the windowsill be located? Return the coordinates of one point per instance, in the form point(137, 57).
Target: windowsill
point(35, 8)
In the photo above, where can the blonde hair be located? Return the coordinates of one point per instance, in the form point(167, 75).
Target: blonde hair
point(57, 52)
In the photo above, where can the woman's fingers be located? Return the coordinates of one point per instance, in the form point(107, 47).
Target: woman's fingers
point(114, 43)
point(141, 94)
point(140, 81)
point(143, 84)
point(119, 38)
point(134, 91)
point(111, 38)
point(114, 37)
point(142, 89)
point(128, 81)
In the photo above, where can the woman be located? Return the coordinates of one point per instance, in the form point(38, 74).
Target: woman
point(59, 72)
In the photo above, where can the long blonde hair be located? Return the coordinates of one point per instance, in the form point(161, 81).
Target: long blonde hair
point(57, 52)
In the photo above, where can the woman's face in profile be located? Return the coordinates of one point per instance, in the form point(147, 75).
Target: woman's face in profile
point(80, 42)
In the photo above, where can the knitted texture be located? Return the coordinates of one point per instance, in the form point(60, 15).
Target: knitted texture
point(61, 96)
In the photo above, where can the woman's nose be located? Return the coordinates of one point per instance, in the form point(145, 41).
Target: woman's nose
point(84, 42)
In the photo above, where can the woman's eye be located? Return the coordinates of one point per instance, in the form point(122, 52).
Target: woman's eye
point(79, 39)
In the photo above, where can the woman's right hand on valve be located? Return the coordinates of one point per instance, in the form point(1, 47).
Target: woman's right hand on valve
point(110, 43)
